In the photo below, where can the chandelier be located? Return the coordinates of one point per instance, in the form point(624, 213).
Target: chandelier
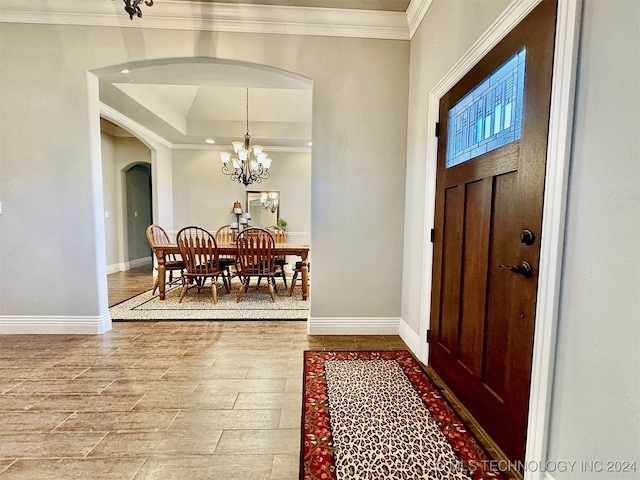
point(249, 164)
point(270, 201)
point(132, 7)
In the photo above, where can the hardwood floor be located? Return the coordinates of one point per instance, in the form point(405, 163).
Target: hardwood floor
point(124, 285)
point(158, 400)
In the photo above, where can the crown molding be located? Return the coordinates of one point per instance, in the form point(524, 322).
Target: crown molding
point(222, 148)
point(415, 13)
point(218, 17)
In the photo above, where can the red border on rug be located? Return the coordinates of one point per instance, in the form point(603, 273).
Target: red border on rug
point(316, 455)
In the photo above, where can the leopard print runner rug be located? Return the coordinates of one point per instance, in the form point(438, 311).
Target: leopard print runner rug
point(376, 416)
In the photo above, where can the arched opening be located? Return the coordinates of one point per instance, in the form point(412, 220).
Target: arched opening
point(171, 107)
point(137, 209)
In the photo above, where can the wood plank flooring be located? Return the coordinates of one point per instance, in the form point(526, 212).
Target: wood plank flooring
point(158, 400)
point(124, 285)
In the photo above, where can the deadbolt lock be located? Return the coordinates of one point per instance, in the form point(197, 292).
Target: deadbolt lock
point(527, 237)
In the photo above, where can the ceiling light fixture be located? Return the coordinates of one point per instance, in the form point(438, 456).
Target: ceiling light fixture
point(132, 7)
point(249, 164)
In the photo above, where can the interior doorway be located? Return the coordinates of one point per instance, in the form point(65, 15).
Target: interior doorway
point(207, 99)
point(138, 213)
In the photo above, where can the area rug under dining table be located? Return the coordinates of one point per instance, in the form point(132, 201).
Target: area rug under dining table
point(255, 304)
point(376, 415)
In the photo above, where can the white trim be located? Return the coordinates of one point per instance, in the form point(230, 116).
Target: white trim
point(416, 11)
point(409, 336)
point(221, 148)
point(34, 324)
point(548, 476)
point(124, 266)
point(558, 153)
point(97, 200)
point(130, 125)
point(353, 325)
point(139, 262)
point(214, 17)
point(553, 227)
point(116, 267)
point(298, 237)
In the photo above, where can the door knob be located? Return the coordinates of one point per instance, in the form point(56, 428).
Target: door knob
point(523, 269)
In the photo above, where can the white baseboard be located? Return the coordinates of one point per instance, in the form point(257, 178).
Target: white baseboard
point(139, 262)
point(115, 268)
point(411, 338)
point(17, 325)
point(123, 267)
point(353, 325)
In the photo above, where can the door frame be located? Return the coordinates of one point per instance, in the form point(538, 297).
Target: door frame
point(554, 209)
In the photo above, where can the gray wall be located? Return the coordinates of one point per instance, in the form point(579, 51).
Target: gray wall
point(360, 98)
point(203, 196)
point(595, 411)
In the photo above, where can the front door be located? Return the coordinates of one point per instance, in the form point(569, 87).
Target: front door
point(489, 191)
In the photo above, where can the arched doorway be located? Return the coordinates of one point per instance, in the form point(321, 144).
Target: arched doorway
point(174, 105)
point(137, 208)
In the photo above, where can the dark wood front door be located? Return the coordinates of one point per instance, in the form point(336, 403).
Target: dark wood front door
point(487, 223)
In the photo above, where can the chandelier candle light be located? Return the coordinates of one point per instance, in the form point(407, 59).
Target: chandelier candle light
point(269, 201)
point(249, 164)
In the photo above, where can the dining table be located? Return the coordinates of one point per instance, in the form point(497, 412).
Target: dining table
point(297, 249)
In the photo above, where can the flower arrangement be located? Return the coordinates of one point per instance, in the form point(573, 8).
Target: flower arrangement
point(282, 223)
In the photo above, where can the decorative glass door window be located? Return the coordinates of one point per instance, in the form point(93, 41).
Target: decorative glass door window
point(490, 115)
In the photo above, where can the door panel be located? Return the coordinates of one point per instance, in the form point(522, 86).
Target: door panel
point(476, 247)
point(483, 307)
point(454, 198)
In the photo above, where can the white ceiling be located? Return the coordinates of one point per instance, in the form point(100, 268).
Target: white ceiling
point(189, 102)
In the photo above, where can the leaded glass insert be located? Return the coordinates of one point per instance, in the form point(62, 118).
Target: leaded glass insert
point(490, 115)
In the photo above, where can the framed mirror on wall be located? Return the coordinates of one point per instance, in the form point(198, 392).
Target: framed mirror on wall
point(264, 208)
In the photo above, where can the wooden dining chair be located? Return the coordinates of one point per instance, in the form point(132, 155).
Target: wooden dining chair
point(157, 236)
point(297, 272)
point(280, 236)
point(199, 252)
point(256, 258)
point(225, 235)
